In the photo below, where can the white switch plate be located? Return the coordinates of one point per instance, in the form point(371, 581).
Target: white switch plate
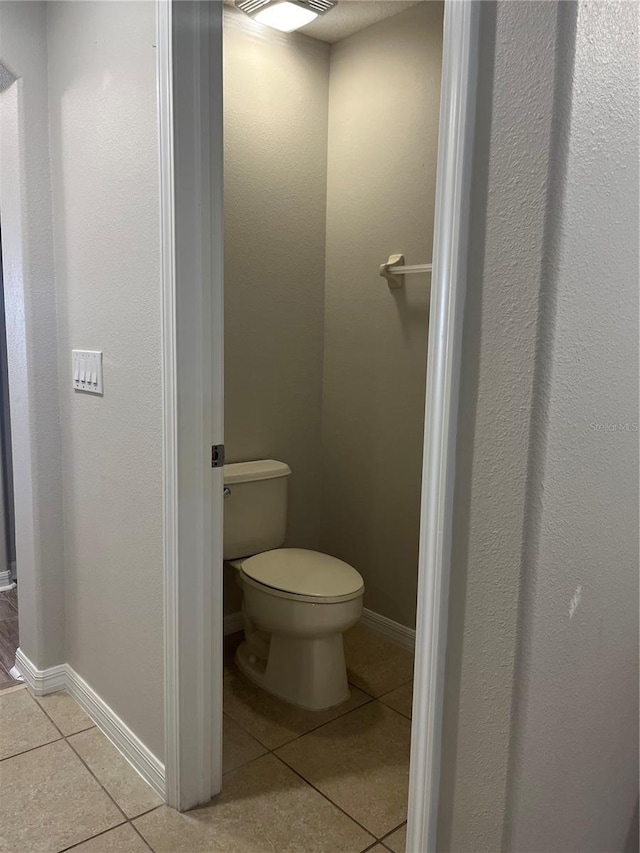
point(86, 369)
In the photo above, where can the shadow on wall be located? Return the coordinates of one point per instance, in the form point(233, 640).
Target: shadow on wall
point(632, 844)
point(468, 401)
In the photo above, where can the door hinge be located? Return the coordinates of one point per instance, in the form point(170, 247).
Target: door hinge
point(217, 455)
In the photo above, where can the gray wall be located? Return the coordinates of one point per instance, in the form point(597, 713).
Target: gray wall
point(275, 185)
point(328, 374)
point(576, 719)
point(104, 159)
point(276, 90)
point(540, 717)
point(30, 303)
point(380, 200)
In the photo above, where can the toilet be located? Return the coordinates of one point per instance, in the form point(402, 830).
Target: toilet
point(296, 603)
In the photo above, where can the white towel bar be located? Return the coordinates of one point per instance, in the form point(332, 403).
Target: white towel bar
point(395, 270)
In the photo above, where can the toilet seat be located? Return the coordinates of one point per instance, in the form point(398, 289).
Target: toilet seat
point(303, 575)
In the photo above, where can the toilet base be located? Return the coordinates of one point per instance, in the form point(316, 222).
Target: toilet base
point(309, 673)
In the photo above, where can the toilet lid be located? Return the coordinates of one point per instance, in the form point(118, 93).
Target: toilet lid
point(303, 572)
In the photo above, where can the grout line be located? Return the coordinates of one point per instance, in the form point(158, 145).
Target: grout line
point(47, 714)
point(245, 730)
point(395, 829)
point(126, 818)
point(91, 837)
point(49, 717)
point(81, 731)
point(121, 810)
point(386, 693)
point(148, 811)
point(246, 764)
point(327, 798)
point(140, 835)
point(389, 708)
point(32, 749)
point(308, 731)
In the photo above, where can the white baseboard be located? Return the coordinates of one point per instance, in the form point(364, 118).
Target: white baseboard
point(41, 681)
point(63, 677)
point(394, 631)
point(137, 754)
point(233, 623)
point(6, 580)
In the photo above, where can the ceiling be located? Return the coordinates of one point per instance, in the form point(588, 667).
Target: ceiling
point(350, 16)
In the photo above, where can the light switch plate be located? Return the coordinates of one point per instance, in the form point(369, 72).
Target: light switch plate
point(86, 369)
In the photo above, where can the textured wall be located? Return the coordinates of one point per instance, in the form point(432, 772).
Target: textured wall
point(541, 698)
point(31, 330)
point(102, 100)
point(576, 723)
point(507, 247)
point(276, 90)
point(380, 200)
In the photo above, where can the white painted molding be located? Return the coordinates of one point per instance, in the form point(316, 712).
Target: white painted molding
point(63, 677)
point(41, 681)
point(189, 73)
point(448, 284)
point(233, 622)
point(164, 76)
point(6, 580)
point(126, 742)
point(398, 634)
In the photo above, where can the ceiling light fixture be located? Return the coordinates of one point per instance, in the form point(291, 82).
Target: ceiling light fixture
point(285, 15)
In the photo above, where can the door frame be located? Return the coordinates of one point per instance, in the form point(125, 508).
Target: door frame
point(448, 288)
point(189, 74)
point(191, 152)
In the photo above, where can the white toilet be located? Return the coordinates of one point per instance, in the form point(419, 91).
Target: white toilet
point(297, 603)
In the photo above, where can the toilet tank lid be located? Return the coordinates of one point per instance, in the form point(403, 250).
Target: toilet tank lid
point(248, 472)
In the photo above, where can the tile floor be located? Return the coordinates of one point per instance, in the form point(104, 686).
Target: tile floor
point(295, 781)
point(8, 635)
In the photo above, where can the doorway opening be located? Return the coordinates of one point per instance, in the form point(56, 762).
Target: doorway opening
point(331, 141)
point(191, 121)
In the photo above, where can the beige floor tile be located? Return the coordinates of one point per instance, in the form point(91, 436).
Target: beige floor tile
point(400, 699)
point(65, 712)
point(361, 762)
point(263, 807)
point(23, 724)
point(127, 788)
point(8, 604)
point(374, 664)
point(272, 721)
point(397, 841)
point(122, 839)
point(238, 746)
point(5, 679)
point(51, 801)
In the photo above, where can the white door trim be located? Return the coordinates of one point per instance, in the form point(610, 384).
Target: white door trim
point(191, 157)
point(448, 284)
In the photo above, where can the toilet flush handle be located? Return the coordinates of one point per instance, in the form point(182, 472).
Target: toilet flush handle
point(226, 492)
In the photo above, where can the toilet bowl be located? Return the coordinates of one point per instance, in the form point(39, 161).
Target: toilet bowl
point(296, 604)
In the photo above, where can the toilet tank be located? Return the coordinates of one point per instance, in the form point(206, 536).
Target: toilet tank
point(255, 507)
